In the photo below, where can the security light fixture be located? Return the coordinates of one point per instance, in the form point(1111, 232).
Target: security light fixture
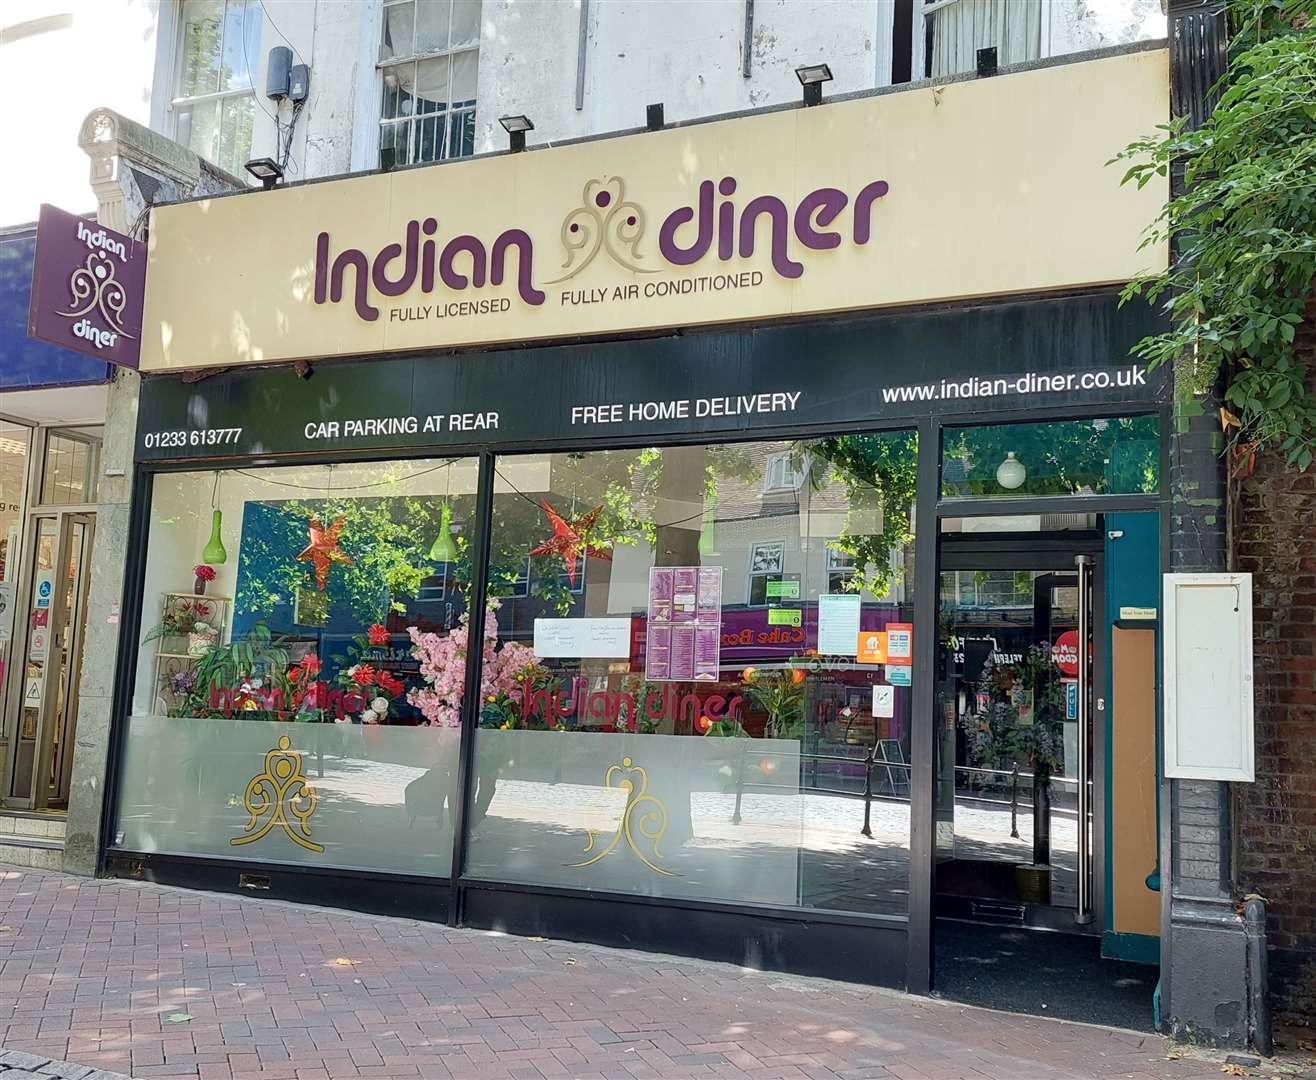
point(986, 62)
point(812, 77)
point(516, 127)
point(653, 117)
point(268, 171)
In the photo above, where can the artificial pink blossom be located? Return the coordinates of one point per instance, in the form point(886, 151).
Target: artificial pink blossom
point(443, 666)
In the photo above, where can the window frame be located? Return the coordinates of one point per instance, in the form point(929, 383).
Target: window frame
point(178, 101)
point(414, 58)
point(790, 480)
point(752, 575)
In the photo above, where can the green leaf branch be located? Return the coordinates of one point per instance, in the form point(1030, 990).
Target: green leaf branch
point(1244, 228)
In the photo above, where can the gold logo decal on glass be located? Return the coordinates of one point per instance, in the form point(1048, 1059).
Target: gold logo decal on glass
point(274, 794)
point(644, 814)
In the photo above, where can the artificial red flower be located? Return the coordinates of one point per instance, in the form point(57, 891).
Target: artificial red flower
point(378, 634)
point(388, 684)
point(311, 664)
point(704, 723)
point(294, 674)
point(797, 675)
point(204, 572)
point(364, 675)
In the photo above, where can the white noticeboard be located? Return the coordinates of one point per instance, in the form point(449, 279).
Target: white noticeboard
point(581, 638)
point(838, 624)
point(1207, 659)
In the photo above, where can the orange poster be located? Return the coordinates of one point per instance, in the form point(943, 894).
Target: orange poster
point(872, 647)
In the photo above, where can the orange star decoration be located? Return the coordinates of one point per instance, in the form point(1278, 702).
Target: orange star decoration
point(569, 539)
point(323, 550)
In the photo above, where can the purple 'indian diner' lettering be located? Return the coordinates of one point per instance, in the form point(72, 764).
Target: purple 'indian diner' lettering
point(737, 230)
point(685, 236)
point(419, 258)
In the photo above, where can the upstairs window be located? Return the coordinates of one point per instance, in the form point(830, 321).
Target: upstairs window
point(214, 109)
point(780, 475)
point(429, 53)
point(956, 29)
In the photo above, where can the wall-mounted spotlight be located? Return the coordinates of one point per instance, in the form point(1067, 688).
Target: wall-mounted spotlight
point(268, 171)
point(812, 77)
point(653, 117)
point(303, 369)
point(986, 62)
point(516, 127)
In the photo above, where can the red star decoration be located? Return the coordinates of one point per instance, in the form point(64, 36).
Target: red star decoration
point(323, 550)
point(568, 539)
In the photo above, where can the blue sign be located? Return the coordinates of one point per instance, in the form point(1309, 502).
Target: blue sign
point(1071, 699)
point(26, 363)
point(899, 675)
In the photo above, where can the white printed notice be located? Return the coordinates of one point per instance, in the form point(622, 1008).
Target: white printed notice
point(683, 641)
point(838, 624)
point(583, 638)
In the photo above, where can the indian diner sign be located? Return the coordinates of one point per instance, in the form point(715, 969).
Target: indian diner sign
point(978, 188)
point(88, 283)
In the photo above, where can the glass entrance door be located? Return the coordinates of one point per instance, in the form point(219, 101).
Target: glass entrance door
point(1015, 741)
point(44, 727)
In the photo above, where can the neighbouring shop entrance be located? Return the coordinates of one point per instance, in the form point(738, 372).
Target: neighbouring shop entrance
point(57, 580)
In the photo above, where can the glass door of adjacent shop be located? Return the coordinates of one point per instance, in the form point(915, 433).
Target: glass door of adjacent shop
point(49, 637)
point(1016, 720)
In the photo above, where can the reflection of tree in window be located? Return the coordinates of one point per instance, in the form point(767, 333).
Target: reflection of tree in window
point(1069, 457)
point(878, 473)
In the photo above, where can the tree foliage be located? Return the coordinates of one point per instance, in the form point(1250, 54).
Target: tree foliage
point(1244, 225)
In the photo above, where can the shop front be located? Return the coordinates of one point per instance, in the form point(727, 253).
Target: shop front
point(52, 416)
point(760, 611)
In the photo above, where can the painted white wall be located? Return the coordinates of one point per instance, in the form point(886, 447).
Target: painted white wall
point(59, 59)
point(686, 54)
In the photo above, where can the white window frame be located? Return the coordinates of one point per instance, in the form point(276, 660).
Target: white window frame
point(413, 57)
point(254, 69)
point(753, 574)
point(836, 564)
point(780, 476)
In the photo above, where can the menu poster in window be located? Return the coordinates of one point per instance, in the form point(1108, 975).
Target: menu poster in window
point(684, 638)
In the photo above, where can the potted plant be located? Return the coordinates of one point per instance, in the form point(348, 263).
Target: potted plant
point(204, 574)
point(1024, 724)
point(780, 694)
point(201, 638)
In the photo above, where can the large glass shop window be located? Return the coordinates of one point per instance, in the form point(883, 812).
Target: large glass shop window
point(280, 712)
point(697, 673)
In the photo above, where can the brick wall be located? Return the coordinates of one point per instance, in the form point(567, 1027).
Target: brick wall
point(1275, 540)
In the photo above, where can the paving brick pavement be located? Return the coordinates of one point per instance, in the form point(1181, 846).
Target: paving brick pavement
point(154, 981)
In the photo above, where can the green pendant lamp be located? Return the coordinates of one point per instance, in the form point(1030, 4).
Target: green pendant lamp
point(214, 554)
point(444, 549)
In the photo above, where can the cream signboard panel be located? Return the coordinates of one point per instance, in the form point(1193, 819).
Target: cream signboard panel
point(979, 188)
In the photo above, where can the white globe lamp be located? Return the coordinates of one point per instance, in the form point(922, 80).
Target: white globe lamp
point(1010, 473)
